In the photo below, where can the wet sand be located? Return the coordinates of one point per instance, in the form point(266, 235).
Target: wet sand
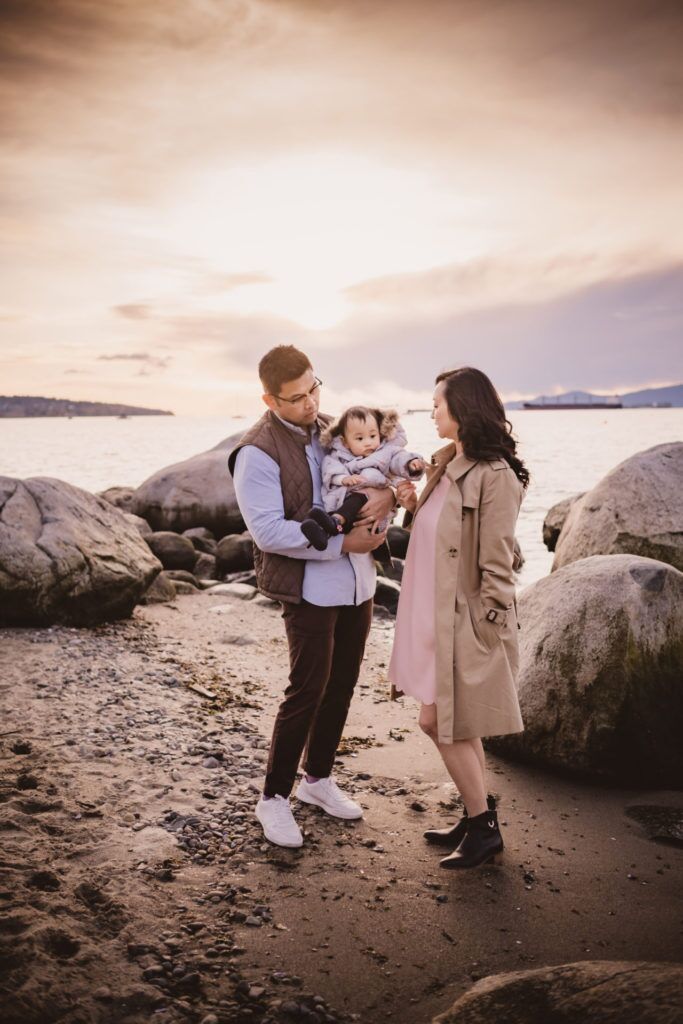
point(136, 885)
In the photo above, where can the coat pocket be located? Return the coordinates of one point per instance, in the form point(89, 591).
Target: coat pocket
point(488, 634)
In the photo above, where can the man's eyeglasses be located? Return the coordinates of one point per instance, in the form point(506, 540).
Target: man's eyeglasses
point(300, 399)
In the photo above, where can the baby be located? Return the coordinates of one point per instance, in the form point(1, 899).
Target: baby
point(364, 448)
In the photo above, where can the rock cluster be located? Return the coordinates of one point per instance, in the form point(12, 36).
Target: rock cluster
point(601, 652)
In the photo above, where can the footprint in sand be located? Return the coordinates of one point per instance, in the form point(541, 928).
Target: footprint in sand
point(108, 914)
point(45, 881)
point(58, 944)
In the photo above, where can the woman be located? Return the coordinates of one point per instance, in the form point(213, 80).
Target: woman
point(455, 646)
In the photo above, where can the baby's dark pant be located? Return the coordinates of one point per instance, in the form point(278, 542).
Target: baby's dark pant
point(349, 508)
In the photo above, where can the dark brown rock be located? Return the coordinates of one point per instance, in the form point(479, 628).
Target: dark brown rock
point(205, 567)
point(172, 550)
point(234, 554)
point(397, 539)
point(202, 539)
point(161, 591)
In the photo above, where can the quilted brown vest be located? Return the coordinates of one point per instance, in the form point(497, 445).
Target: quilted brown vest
point(277, 576)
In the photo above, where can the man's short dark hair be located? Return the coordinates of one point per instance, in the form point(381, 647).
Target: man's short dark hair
point(283, 363)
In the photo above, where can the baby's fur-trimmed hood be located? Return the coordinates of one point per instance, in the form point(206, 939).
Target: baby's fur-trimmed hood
point(388, 425)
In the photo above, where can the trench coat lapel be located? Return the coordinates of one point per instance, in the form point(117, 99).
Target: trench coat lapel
point(444, 461)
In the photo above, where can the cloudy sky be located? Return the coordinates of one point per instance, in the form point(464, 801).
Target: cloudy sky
point(397, 187)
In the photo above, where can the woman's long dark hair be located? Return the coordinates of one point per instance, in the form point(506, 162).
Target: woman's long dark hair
point(484, 430)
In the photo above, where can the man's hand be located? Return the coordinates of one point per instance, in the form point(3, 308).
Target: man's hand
point(378, 506)
point(359, 541)
point(407, 495)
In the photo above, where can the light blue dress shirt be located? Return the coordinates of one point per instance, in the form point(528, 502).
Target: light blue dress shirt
point(330, 577)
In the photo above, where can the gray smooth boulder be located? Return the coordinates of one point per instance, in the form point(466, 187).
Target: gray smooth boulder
point(555, 519)
point(636, 509)
point(172, 550)
point(196, 492)
point(234, 554)
point(601, 671)
point(587, 992)
point(66, 556)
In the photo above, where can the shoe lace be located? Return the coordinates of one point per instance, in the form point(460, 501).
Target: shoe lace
point(334, 790)
point(282, 809)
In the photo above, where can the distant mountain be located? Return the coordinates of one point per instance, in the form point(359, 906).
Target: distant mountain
point(672, 395)
point(29, 405)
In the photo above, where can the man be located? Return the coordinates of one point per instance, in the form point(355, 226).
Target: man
point(326, 595)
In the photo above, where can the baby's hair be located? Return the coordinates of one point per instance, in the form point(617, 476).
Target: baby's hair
point(386, 420)
point(356, 412)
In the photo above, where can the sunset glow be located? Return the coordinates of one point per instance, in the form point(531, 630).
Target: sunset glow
point(188, 184)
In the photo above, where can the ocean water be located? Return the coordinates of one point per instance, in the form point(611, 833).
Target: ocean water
point(566, 451)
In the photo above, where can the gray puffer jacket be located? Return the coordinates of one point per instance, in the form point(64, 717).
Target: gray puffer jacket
point(388, 462)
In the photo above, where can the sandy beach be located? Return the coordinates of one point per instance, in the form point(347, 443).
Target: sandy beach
point(136, 884)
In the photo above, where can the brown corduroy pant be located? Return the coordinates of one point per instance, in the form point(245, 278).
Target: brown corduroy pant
point(326, 647)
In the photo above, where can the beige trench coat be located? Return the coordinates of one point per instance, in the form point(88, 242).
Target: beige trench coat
point(476, 656)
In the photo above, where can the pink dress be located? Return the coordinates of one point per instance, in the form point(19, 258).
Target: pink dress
point(412, 668)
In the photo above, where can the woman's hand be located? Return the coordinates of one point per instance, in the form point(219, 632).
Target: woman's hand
point(407, 495)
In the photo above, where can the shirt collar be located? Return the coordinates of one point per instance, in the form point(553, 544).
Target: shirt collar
point(299, 430)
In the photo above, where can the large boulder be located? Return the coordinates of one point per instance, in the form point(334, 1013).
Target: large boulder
point(172, 550)
point(636, 509)
point(587, 992)
point(196, 492)
point(601, 671)
point(67, 556)
point(555, 519)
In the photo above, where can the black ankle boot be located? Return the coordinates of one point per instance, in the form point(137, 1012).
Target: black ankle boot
point(314, 534)
point(454, 836)
point(481, 843)
point(329, 524)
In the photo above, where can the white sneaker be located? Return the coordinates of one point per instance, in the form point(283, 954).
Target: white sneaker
point(326, 793)
point(278, 822)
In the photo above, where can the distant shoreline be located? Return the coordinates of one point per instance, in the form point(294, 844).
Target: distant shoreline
point(38, 407)
point(78, 415)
